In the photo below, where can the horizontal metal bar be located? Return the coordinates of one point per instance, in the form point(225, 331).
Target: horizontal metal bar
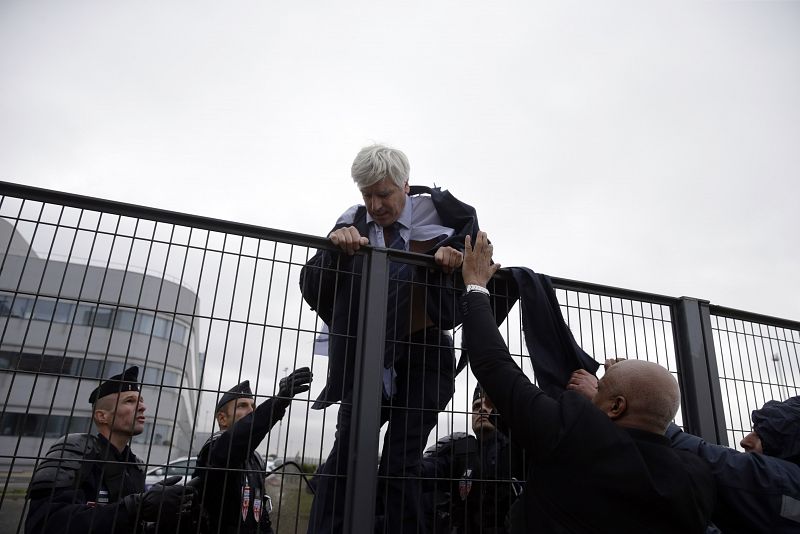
point(173, 217)
point(732, 313)
point(611, 291)
point(295, 238)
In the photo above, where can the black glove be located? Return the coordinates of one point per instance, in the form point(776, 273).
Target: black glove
point(164, 500)
point(297, 382)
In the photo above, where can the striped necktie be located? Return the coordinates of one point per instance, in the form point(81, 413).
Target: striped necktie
point(392, 237)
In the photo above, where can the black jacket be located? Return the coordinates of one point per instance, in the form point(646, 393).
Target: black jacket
point(331, 284)
point(586, 474)
point(470, 484)
point(554, 352)
point(65, 486)
point(229, 466)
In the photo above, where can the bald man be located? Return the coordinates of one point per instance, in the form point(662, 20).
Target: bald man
point(595, 466)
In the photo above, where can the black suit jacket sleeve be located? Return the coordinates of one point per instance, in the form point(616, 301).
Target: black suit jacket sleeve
point(533, 417)
point(233, 446)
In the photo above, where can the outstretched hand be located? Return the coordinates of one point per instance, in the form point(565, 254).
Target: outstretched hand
point(298, 381)
point(477, 267)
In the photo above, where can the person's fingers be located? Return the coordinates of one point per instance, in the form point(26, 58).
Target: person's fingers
point(348, 240)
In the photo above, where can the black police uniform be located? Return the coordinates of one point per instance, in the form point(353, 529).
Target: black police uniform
point(477, 481)
point(85, 485)
point(233, 474)
point(79, 486)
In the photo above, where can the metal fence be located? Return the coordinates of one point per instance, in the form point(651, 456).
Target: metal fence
point(89, 287)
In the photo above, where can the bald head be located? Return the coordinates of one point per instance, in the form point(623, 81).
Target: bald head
point(638, 394)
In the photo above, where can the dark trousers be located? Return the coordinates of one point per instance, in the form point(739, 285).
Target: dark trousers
point(425, 385)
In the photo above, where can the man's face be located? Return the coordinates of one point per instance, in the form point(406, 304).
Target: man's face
point(236, 410)
point(481, 411)
point(127, 417)
point(752, 443)
point(385, 201)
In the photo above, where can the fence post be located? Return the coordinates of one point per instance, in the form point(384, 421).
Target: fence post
point(697, 367)
point(362, 467)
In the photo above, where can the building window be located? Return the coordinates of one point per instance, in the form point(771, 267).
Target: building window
point(86, 314)
point(15, 307)
point(171, 378)
point(43, 310)
point(125, 320)
point(103, 316)
point(65, 312)
point(41, 425)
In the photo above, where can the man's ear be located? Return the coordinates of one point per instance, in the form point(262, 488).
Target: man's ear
point(618, 407)
point(406, 188)
point(100, 416)
point(222, 419)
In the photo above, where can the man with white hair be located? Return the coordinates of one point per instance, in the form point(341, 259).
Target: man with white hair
point(601, 466)
point(418, 359)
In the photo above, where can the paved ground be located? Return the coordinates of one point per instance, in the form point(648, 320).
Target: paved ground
point(11, 512)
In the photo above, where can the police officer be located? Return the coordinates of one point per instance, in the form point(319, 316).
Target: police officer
point(94, 483)
point(233, 474)
point(478, 477)
point(758, 491)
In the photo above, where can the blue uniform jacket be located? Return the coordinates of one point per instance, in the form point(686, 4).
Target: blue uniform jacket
point(755, 492)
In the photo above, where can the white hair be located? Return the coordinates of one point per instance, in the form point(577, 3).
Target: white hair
point(376, 162)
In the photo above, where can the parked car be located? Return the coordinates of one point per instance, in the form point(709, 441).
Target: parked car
point(182, 466)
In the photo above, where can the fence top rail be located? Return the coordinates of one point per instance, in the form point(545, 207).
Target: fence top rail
point(50, 196)
point(732, 313)
point(611, 291)
point(161, 215)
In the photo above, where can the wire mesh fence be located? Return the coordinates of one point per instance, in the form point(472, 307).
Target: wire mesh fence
point(757, 362)
point(89, 288)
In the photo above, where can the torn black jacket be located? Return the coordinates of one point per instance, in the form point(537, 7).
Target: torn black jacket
point(331, 284)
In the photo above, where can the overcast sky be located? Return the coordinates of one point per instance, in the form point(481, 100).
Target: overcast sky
point(647, 145)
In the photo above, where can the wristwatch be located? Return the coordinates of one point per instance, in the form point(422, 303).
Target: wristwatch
point(474, 287)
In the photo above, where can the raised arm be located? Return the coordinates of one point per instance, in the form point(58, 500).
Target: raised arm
point(233, 446)
point(533, 417)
